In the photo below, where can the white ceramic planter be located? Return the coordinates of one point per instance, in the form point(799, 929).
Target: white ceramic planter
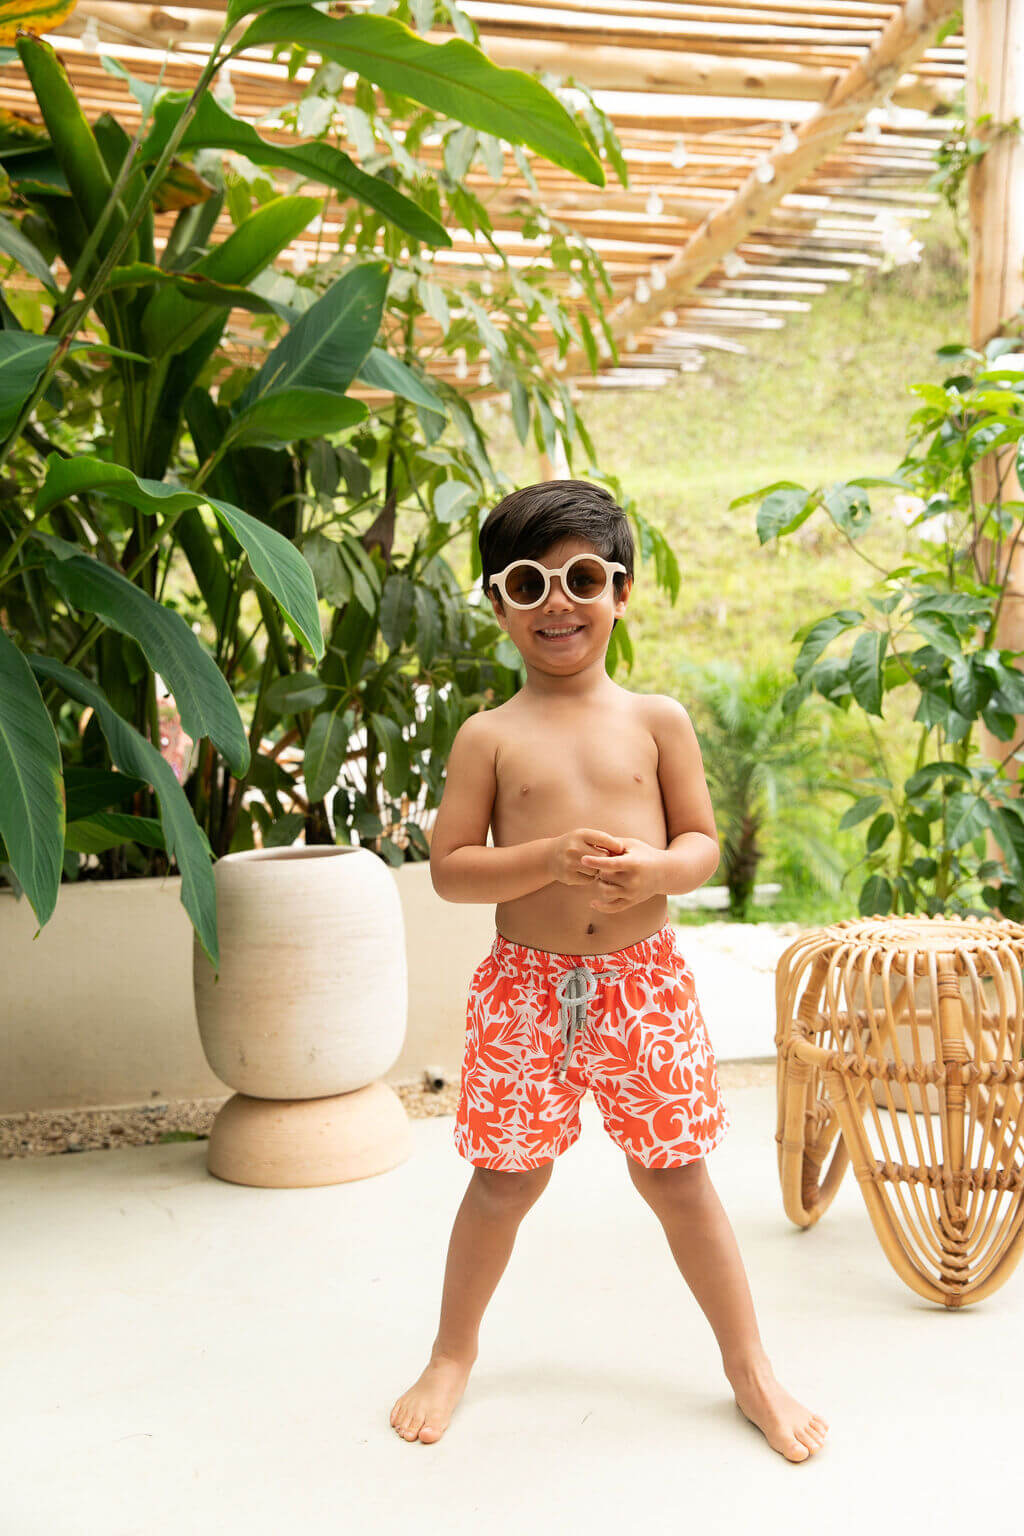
point(308, 1009)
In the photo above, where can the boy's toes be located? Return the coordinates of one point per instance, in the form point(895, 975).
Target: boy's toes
point(797, 1451)
point(429, 1433)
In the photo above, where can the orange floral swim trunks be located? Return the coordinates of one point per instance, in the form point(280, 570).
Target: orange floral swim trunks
point(543, 1027)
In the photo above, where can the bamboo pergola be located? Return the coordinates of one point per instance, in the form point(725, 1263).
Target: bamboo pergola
point(772, 148)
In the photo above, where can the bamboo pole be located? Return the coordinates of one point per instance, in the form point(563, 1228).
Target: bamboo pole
point(995, 84)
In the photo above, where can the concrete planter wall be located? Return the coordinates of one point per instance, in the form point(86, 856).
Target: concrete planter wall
point(99, 1010)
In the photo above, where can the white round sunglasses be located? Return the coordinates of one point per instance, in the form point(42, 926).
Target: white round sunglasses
point(585, 578)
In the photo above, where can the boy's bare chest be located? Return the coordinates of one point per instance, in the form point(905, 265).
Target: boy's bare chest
point(601, 774)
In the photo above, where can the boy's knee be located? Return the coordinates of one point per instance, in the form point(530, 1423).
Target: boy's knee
point(512, 1188)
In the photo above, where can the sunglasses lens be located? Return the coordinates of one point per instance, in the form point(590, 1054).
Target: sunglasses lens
point(525, 585)
point(587, 578)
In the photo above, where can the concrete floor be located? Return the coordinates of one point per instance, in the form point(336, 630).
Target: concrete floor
point(183, 1355)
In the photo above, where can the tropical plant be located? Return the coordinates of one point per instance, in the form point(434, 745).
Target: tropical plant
point(115, 469)
point(765, 768)
point(932, 630)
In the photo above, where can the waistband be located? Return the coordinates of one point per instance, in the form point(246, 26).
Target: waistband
point(545, 965)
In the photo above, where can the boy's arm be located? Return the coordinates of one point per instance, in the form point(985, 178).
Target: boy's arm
point(693, 853)
point(462, 867)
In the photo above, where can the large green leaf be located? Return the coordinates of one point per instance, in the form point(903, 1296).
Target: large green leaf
point(326, 746)
point(14, 243)
point(172, 322)
point(326, 346)
point(214, 128)
point(202, 290)
point(274, 560)
point(454, 78)
point(23, 356)
point(204, 699)
point(288, 414)
point(109, 829)
point(132, 753)
point(96, 789)
point(31, 787)
point(381, 370)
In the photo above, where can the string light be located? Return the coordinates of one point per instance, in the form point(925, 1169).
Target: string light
point(559, 365)
point(733, 264)
point(643, 290)
point(486, 286)
point(300, 261)
point(631, 342)
point(90, 38)
point(678, 155)
point(658, 278)
point(461, 371)
point(484, 376)
point(670, 317)
point(764, 170)
point(873, 125)
point(575, 288)
point(654, 204)
point(789, 141)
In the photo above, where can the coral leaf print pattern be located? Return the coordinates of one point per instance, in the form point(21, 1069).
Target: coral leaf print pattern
point(640, 1045)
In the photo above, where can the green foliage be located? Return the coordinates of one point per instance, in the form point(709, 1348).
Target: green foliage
point(932, 630)
point(182, 501)
point(764, 768)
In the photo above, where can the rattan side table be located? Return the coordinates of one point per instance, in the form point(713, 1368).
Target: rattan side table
point(899, 1044)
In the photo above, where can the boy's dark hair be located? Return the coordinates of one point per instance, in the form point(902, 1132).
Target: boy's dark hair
point(528, 521)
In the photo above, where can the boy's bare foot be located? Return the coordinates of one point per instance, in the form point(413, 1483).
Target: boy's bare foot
point(787, 1425)
point(423, 1412)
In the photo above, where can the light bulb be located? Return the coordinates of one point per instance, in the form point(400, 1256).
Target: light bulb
point(733, 264)
point(575, 288)
point(764, 170)
point(658, 279)
point(678, 155)
point(789, 141)
point(654, 204)
point(669, 317)
point(643, 290)
point(631, 342)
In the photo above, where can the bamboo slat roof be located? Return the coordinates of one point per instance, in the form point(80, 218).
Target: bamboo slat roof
point(773, 146)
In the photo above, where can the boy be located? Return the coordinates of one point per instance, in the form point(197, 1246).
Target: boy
point(599, 809)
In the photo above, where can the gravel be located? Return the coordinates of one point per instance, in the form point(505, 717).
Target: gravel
point(46, 1132)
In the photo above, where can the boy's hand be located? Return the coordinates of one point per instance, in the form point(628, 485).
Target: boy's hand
point(628, 878)
point(566, 858)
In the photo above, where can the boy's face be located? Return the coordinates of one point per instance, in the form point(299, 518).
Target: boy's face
point(593, 621)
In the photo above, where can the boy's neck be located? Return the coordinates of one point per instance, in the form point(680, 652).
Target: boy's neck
point(587, 686)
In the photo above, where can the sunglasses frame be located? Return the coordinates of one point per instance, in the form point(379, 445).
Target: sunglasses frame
point(610, 568)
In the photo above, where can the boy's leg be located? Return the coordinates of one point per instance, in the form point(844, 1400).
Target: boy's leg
point(479, 1249)
point(704, 1247)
